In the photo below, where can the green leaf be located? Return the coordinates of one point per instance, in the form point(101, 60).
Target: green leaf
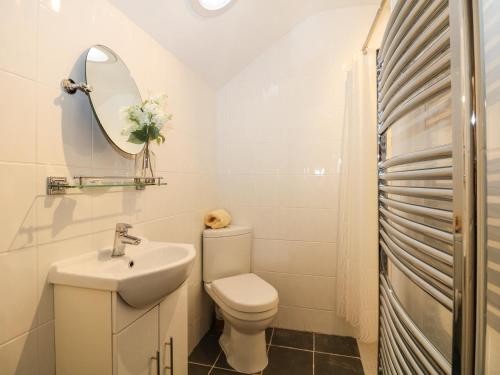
point(139, 136)
point(154, 133)
point(133, 139)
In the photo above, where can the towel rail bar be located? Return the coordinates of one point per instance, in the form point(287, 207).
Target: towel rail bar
point(389, 360)
point(435, 354)
point(441, 173)
point(417, 227)
point(404, 347)
point(409, 338)
point(426, 271)
point(397, 360)
point(439, 296)
point(415, 83)
point(385, 364)
point(415, 24)
point(398, 14)
point(434, 213)
point(423, 70)
point(405, 23)
point(437, 25)
point(431, 193)
point(420, 246)
point(435, 153)
point(398, 78)
point(398, 347)
point(414, 102)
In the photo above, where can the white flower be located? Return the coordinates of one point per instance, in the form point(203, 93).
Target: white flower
point(149, 113)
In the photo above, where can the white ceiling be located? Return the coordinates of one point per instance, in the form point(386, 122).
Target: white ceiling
point(219, 47)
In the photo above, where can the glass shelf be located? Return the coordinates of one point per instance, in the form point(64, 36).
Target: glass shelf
point(59, 185)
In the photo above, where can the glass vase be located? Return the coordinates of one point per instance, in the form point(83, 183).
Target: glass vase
point(145, 163)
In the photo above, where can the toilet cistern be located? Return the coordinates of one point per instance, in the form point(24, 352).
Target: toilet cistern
point(122, 238)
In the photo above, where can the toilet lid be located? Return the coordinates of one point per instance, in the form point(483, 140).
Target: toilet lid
point(246, 293)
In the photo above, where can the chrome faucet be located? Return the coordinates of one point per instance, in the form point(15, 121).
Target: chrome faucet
point(122, 238)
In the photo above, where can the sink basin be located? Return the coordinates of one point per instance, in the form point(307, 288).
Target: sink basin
point(145, 274)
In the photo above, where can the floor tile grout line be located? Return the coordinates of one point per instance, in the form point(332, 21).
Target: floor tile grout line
point(212, 368)
point(270, 340)
point(199, 364)
point(216, 359)
point(314, 351)
point(339, 355)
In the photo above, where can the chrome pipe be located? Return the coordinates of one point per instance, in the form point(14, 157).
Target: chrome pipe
point(435, 153)
point(398, 14)
point(400, 343)
point(390, 102)
point(434, 29)
point(440, 297)
point(407, 20)
point(388, 357)
point(404, 355)
point(423, 96)
point(430, 349)
point(464, 207)
point(481, 189)
point(382, 360)
point(417, 227)
point(424, 268)
point(394, 350)
point(417, 24)
point(431, 193)
point(410, 340)
point(402, 90)
point(434, 213)
point(440, 46)
point(441, 173)
point(420, 246)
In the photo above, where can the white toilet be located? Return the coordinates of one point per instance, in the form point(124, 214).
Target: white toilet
point(248, 304)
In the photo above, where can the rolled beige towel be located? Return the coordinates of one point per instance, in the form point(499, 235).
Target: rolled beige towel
point(217, 219)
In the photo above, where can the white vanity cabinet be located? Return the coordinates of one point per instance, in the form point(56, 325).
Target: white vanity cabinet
point(98, 333)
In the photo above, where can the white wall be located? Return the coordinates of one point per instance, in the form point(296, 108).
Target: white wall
point(45, 132)
point(279, 130)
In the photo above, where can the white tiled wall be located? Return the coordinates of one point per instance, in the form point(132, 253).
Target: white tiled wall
point(46, 132)
point(279, 130)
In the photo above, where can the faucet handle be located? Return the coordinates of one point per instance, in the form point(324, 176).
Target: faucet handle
point(123, 227)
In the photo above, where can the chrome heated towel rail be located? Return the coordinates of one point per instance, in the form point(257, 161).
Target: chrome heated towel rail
point(425, 189)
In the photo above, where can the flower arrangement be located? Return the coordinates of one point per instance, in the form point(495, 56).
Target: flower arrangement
point(146, 121)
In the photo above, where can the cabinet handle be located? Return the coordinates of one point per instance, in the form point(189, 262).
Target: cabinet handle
point(170, 343)
point(157, 359)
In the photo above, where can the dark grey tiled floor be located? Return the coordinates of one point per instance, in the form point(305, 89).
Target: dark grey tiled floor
point(290, 353)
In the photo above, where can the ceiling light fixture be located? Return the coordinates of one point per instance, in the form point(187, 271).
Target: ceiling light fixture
point(211, 7)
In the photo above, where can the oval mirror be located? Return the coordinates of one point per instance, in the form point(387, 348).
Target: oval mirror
point(113, 89)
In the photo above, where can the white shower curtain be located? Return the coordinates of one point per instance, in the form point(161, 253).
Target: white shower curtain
point(357, 266)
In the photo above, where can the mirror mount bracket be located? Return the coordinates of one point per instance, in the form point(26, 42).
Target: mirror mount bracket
point(71, 87)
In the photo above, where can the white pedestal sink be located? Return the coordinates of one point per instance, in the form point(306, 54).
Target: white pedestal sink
point(145, 274)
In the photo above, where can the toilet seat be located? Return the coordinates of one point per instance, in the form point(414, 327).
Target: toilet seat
point(246, 293)
point(246, 297)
